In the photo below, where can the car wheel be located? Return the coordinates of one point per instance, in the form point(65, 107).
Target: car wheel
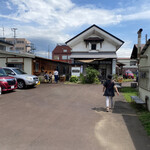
point(21, 84)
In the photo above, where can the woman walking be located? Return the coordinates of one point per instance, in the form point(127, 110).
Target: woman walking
point(108, 89)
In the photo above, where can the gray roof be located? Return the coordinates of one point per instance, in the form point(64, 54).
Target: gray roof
point(94, 55)
point(17, 54)
point(5, 43)
point(145, 47)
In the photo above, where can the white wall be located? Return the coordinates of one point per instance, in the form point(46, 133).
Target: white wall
point(2, 62)
point(27, 62)
point(81, 47)
point(145, 67)
point(144, 93)
point(28, 65)
point(106, 46)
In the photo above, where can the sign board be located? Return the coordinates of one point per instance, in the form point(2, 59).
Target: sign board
point(75, 71)
point(15, 60)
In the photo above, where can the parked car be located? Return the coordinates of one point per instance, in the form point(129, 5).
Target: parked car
point(128, 74)
point(7, 83)
point(22, 77)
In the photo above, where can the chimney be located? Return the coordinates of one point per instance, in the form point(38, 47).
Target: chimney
point(146, 38)
point(139, 43)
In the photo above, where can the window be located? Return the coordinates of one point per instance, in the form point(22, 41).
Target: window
point(132, 63)
point(93, 46)
point(10, 42)
point(36, 67)
point(56, 57)
point(20, 41)
point(19, 48)
point(64, 57)
point(64, 50)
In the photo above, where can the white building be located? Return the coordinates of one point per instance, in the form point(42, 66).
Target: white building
point(95, 47)
point(13, 59)
point(144, 74)
point(129, 64)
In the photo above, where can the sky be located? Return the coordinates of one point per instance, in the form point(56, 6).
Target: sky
point(48, 22)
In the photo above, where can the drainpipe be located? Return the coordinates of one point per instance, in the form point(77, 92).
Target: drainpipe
point(138, 53)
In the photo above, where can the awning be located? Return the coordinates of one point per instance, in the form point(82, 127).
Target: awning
point(93, 55)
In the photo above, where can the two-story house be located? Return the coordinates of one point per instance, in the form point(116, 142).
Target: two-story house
point(62, 52)
point(95, 47)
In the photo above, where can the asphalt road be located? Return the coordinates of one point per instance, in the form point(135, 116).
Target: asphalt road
point(68, 117)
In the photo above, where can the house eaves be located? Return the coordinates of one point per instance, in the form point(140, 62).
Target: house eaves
point(100, 32)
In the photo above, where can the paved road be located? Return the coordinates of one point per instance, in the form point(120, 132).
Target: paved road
point(67, 117)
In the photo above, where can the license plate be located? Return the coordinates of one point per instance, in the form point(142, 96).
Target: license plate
point(12, 87)
point(38, 83)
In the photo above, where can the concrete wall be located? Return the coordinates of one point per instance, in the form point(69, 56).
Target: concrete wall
point(28, 65)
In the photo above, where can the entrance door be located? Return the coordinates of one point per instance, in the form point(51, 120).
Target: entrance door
point(103, 74)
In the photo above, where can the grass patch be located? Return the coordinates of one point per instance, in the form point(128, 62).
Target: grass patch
point(127, 92)
point(142, 112)
point(144, 117)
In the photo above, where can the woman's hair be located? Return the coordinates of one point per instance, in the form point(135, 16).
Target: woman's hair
point(109, 76)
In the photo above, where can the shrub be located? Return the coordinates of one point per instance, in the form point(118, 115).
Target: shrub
point(96, 80)
point(82, 78)
point(74, 79)
point(91, 74)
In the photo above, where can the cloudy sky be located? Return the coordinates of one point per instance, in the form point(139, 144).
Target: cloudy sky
point(48, 22)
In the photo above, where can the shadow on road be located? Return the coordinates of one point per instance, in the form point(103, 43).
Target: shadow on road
point(99, 109)
point(139, 137)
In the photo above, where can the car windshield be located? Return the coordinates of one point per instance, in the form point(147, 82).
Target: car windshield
point(2, 73)
point(18, 71)
point(129, 72)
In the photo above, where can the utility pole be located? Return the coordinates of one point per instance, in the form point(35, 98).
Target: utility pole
point(3, 31)
point(14, 30)
point(48, 52)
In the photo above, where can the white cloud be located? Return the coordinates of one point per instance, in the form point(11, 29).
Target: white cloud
point(8, 6)
point(50, 19)
point(43, 54)
point(138, 16)
point(125, 50)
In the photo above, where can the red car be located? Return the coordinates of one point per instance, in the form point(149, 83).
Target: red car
point(7, 83)
point(128, 74)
